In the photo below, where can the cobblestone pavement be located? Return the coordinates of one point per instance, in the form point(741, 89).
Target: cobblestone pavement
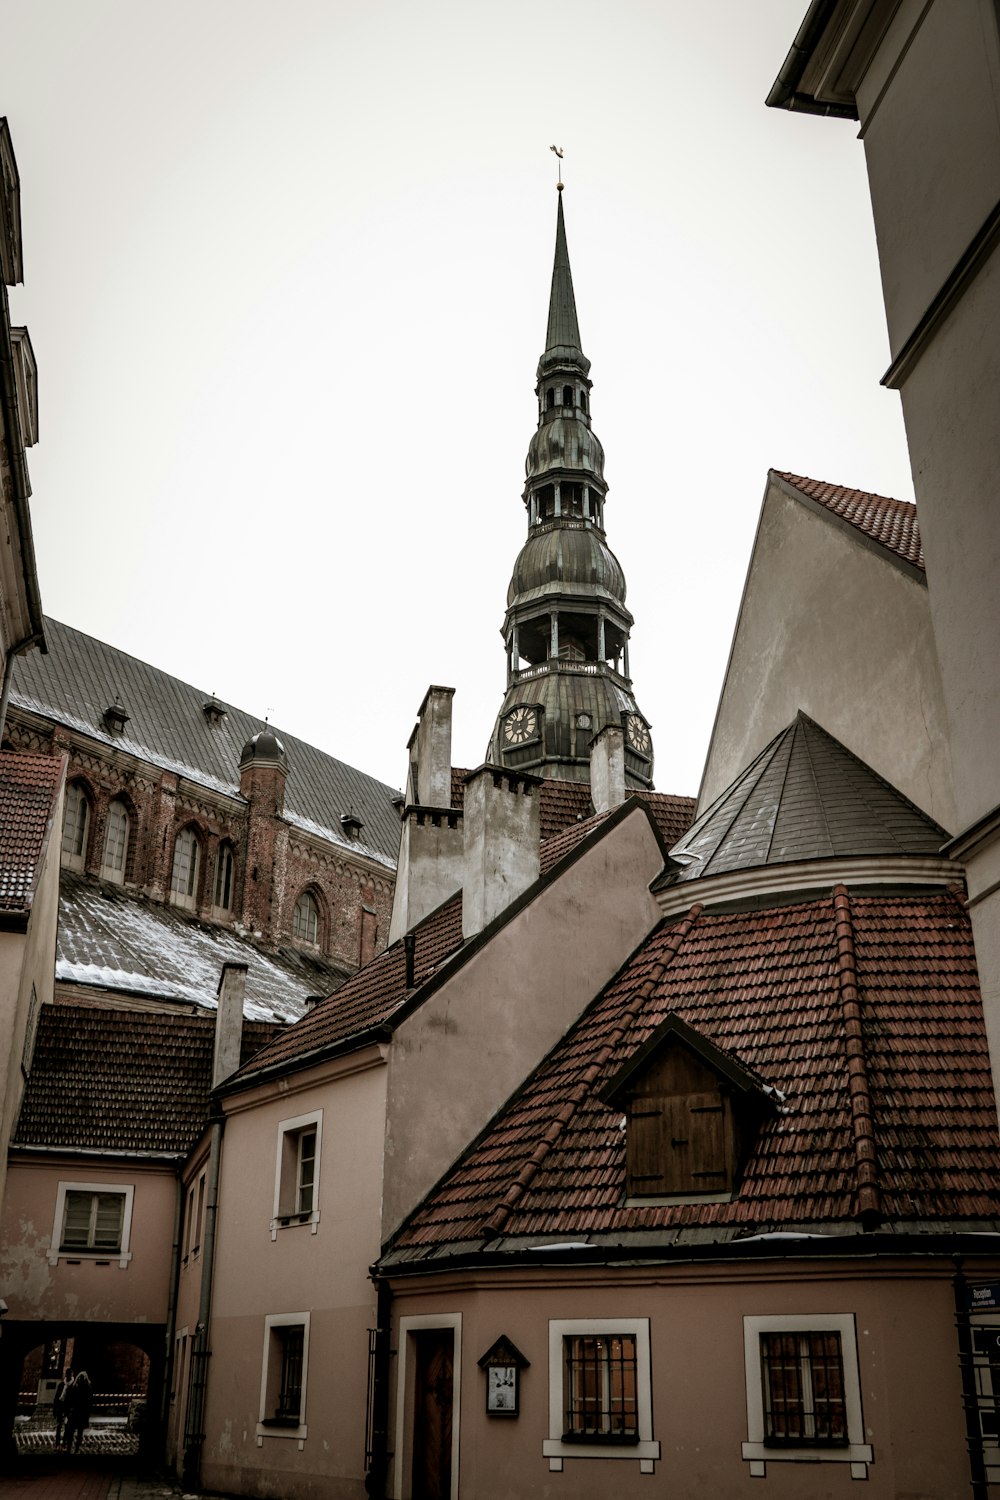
point(97, 1478)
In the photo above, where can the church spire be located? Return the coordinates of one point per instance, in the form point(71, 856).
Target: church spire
point(567, 628)
point(563, 330)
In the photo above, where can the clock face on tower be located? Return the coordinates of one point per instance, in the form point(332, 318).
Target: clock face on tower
point(637, 734)
point(520, 725)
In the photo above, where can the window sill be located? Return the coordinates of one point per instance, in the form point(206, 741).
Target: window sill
point(275, 1428)
point(858, 1455)
point(294, 1221)
point(556, 1449)
point(99, 1257)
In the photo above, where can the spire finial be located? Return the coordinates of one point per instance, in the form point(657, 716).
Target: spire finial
point(559, 152)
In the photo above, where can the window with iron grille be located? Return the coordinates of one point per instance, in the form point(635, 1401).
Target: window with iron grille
point(803, 1388)
point(93, 1221)
point(283, 1378)
point(600, 1388)
point(292, 1343)
point(803, 1378)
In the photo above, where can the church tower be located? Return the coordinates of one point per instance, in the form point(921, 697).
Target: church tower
point(567, 628)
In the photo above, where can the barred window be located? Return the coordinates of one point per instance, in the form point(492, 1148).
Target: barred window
point(600, 1388)
point(115, 855)
point(292, 1344)
point(283, 1382)
point(803, 1379)
point(93, 1221)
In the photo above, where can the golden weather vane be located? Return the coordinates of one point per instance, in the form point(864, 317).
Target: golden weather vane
point(559, 152)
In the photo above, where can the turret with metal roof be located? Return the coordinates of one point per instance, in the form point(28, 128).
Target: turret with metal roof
point(567, 628)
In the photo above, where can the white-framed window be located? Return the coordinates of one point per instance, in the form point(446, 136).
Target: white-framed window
point(985, 1331)
point(803, 1392)
point(305, 919)
point(115, 855)
point(194, 1215)
point(600, 1396)
point(225, 873)
point(296, 1172)
point(283, 1377)
point(92, 1221)
point(184, 874)
point(76, 824)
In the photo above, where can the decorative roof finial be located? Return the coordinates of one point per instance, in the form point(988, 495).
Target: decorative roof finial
point(559, 152)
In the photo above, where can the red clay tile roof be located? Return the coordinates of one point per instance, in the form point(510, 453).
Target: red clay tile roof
point(29, 785)
point(891, 522)
point(122, 1080)
point(866, 1015)
point(369, 998)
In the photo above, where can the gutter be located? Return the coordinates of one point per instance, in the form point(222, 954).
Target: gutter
point(38, 639)
point(785, 90)
point(201, 1353)
point(763, 1247)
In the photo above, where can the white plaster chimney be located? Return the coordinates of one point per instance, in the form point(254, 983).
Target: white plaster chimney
point(502, 836)
point(430, 845)
point(229, 1021)
point(607, 768)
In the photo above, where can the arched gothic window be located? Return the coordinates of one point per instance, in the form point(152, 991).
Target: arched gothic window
point(76, 823)
point(305, 919)
point(115, 856)
point(184, 875)
point(225, 871)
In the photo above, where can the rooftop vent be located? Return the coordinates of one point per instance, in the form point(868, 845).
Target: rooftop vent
point(115, 717)
point(213, 711)
point(351, 824)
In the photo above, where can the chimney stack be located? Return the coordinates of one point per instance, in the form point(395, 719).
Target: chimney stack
point(229, 1022)
point(502, 836)
point(430, 846)
point(607, 768)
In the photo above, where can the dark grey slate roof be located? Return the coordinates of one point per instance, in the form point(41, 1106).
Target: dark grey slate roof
point(110, 939)
point(167, 725)
point(804, 797)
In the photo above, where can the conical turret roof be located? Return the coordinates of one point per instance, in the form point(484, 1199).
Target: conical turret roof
point(563, 330)
point(805, 797)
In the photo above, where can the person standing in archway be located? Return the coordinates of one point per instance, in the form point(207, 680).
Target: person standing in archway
point(78, 1410)
point(60, 1403)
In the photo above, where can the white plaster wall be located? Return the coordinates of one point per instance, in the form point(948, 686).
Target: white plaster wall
point(325, 1273)
point(831, 628)
point(508, 1005)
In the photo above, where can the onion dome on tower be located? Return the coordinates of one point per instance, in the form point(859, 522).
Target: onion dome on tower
point(566, 627)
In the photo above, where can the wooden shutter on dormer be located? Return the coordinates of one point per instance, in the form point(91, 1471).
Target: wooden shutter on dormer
point(679, 1143)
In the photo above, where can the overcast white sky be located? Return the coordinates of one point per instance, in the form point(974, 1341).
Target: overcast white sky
point(286, 279)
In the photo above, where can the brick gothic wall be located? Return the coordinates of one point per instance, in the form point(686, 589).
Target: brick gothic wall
point(274, 862)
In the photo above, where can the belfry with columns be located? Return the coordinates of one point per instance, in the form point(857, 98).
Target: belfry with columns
point(566, 628)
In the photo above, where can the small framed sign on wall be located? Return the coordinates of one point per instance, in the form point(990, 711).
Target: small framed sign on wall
point(502, 1364)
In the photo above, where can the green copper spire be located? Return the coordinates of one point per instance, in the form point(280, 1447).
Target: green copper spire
point(564, 330)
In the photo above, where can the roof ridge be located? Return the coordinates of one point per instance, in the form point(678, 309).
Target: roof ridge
point(819, 799)
point(862, 1124)
point(494, 1224)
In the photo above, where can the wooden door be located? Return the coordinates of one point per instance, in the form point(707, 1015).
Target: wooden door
point(432, 1414)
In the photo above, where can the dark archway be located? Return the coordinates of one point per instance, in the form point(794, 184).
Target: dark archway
point(125, 1363)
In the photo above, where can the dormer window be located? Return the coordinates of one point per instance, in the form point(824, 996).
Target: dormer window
point(115, 718)
point(351, 824)
point(691, 1111)
point(214, 712)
